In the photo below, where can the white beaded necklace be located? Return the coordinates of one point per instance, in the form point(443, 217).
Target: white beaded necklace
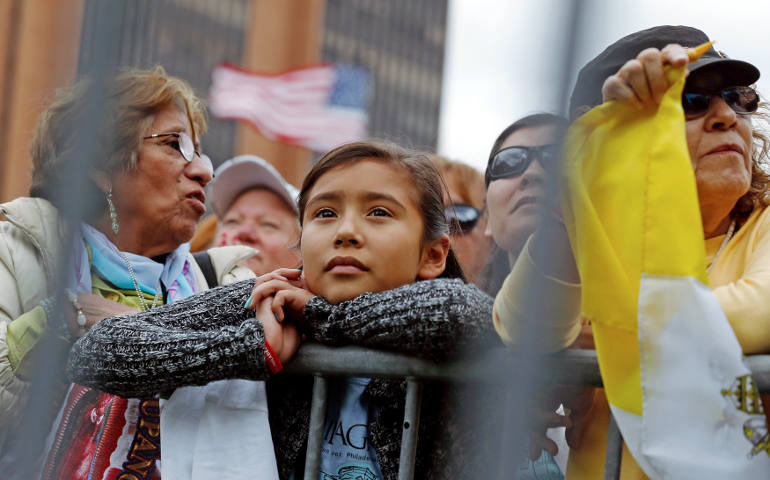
point(727, 238)
point(139, 293)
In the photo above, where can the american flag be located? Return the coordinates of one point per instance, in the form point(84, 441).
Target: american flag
point(318, 107)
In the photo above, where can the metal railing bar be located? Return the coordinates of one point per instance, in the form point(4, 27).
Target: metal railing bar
point(575, 367)
point(614, 451)
point(410, 428)
point(315, 436)
point(570, 367)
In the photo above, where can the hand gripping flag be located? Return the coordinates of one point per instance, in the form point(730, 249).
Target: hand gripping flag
point(672, 368)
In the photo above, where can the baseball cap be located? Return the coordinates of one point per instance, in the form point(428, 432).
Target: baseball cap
point(588, 87)
point(246, 172)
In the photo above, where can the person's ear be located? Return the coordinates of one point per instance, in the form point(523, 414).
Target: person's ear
point(434, 258)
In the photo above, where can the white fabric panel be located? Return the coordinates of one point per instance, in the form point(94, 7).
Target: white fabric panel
point(219, 431)
point(689, 357)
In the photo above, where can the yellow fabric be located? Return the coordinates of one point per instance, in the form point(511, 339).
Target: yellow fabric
point(619, 233)
point(650, 225)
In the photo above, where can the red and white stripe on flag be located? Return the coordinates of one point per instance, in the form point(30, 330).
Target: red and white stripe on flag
point(291, 107)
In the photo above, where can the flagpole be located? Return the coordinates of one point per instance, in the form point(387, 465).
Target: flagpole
point(280, 36)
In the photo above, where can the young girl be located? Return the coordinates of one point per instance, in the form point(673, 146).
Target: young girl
point(375, 248)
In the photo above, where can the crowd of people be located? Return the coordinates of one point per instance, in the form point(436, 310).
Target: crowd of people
point(160, 347)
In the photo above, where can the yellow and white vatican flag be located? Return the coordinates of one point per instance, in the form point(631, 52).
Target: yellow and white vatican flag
point(673, 370)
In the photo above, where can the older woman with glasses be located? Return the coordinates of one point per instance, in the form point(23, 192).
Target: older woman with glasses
point(727, 151)
point(143, 196)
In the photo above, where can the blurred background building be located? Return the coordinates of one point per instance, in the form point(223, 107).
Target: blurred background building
point(400, 42)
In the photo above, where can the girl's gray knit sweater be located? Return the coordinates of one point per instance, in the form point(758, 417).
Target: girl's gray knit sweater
point(210, 336)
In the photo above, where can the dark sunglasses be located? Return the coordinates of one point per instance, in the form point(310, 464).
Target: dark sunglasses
point(742, 100)
point(461, 218)
point(513, 161)
point(185, 146)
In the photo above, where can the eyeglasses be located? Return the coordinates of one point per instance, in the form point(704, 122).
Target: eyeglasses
point(513, 161)
point(461, 218)
point(185, 146)
point(742, 100)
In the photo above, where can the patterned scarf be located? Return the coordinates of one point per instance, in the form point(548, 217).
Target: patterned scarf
point(175, 274)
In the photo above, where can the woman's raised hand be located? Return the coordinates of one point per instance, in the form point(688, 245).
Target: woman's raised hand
point(287, 290)
point(642, 81)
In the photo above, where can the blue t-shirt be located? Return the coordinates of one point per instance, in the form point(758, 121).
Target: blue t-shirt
point(346, 452)
point(544, 468)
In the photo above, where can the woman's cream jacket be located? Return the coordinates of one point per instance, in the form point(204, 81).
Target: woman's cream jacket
point(30, 241)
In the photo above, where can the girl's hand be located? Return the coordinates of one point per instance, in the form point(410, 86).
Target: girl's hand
point(291, 275)
point(642, 82)
point(286, 289)
point(282, 337)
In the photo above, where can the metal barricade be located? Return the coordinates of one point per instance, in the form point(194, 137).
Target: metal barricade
point(572, 367)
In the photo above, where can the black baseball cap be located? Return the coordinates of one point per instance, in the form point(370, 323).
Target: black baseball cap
point(588, 87)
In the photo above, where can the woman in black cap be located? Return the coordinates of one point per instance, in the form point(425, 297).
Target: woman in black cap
point(726, 152)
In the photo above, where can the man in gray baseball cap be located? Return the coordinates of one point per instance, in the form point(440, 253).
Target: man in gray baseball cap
point(257, 207)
